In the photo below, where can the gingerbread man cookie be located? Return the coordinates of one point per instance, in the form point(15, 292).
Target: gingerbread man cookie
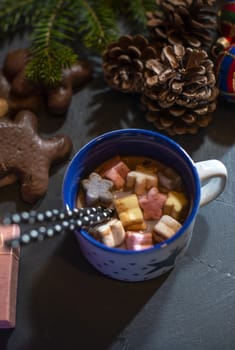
point(27, 157)
point(12, 102)
point(23, 93)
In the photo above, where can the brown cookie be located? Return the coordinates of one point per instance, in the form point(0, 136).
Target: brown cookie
point(5, 86)
point(14, 102)
point(4, 107)
point(26, 156)
point(33, 103)
point(15, 61)
point(28, 94)
point(72, 78)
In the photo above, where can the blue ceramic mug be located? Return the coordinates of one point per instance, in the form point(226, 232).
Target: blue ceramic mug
point(203, 181)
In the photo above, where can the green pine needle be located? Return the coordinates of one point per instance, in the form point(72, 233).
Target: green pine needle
point(97, 24)
point(136, 10)
point(47, 65)
point(50, 54)
point(18, 14)
point(56, 24)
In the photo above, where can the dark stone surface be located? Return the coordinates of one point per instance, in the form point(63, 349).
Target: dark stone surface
point(63, 303)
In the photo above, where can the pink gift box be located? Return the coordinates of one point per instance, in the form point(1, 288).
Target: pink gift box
point(9, 264)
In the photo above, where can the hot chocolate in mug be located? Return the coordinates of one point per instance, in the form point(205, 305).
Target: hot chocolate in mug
point(203, 182)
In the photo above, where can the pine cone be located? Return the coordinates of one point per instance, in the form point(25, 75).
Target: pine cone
point(186, 22)
point(180, 90)
point(123, 62)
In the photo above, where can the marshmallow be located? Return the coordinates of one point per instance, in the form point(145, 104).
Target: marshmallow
point(140, 181)
point(165, 228)
point(152, 203)
point(149, 169)
point(138, 240)
point(137, 227)
point(169, 179)
point(97, 189)
point(129, 211)
point(175, 204)
point(112, 234)
point(117, 174)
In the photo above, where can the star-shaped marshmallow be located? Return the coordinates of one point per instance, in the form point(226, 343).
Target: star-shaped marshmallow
point(97, 190)
point(152, 203)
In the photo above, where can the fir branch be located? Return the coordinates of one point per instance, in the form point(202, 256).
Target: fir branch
point(97, 23)
point(46, 66)
point(135, 11)
point(50, 54)
point(56, 23)
point(15, 15)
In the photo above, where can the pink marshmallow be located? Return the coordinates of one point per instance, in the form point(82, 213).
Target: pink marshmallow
point(122, 169)
point(138, 240)
point(152, 204)
point(117, 174)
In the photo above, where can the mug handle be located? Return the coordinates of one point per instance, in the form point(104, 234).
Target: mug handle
point(213, 174)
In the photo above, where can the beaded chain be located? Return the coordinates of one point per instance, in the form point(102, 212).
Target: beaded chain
point(61, 221)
